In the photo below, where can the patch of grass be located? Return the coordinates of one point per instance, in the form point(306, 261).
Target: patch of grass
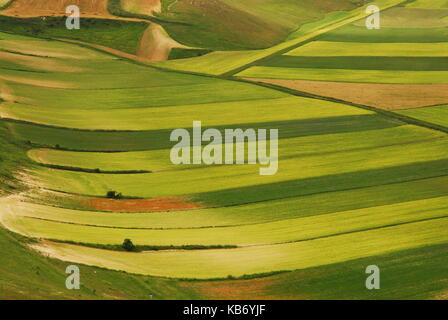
point(141, 248)
point(351, 33)
point(12, 159)
point(227, 63)
point(113, 141)
point(284, 208)
point(28, 275)
point(399, 274)
point(346, 75)
point(117, 34)
point(5, 4)
point(361, 63)
point(158, 160)
point(296, 176)
point(437, 115)
point(179, 53)
point(283, 231)
point(433, 4)
point(361, 49)
point(203, 264)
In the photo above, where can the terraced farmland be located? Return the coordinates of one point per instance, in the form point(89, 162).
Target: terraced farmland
point(362, 177)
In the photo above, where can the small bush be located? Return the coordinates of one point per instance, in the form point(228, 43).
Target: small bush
point(128, 245)
point(111, 194)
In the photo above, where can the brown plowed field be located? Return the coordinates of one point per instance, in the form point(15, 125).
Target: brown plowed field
point(382, 96)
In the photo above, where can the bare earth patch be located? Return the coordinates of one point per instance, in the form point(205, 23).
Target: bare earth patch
point(155, 44)
point(382, 96)
point(143, 205)
point(147, 7)
point(37, 8)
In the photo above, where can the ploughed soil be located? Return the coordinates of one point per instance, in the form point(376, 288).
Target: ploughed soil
point(143, 205)
point(155, 44)
point(36, 8)
point(382, 96)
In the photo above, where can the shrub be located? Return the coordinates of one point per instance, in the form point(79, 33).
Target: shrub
point(128, 245)
point(111, 194)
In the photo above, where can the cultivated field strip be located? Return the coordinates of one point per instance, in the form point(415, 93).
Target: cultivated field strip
point(290, 230)
point(203, 264)
point(219, 178)
point(158, 160)
point(284, 208)
point(348, 177)
point(223, 62)
point(436, 114)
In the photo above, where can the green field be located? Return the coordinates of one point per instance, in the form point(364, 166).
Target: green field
point(437, 115)
point(350, 49)
point(85, 153)
point(347, 75)
point(205, 264)
point(434, 4)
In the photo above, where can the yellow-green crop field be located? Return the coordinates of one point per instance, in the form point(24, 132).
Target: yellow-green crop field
point(355, 185)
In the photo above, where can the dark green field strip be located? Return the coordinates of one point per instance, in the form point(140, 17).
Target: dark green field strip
point(436, 114)
point(117, 34)
point(351, 33)
point(361, 63)
point(419, 273)
point(331, 183)
point(104, 141)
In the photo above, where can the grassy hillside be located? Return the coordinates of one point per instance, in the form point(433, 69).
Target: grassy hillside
point(93, 131)
point(236, 25)
point(116, 34)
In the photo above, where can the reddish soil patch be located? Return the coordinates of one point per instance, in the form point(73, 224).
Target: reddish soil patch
point(143, 205)
point(259, 288)
point(36, 8)
point(382, 96)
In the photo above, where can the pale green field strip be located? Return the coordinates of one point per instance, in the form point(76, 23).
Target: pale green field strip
point(437, 115)
point(54, 49)
point(401, 17)
point(428, 4)
point(148, 78)
point(290, 230)
point(222, 62)
point(156, 160)
point(153, 118)
point(344, 75)
point(252, 260)
point(351, 49)
point(152, 89)
point(221, 177)
point(289, 208)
